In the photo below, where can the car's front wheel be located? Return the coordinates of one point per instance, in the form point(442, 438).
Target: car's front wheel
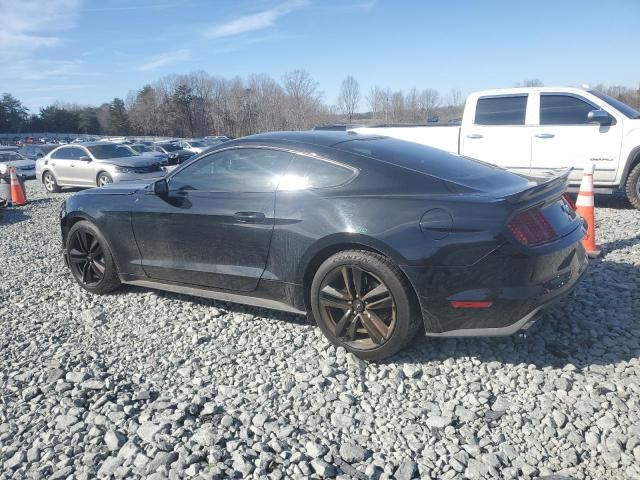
point(362, 302)
point(50, 183)
point(633, 186)
point(90, 259)
point(104, 179)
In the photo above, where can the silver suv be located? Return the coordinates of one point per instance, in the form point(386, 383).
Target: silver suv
point(94, 164)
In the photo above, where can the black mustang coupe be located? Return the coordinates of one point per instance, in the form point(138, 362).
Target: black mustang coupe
point(374, 237)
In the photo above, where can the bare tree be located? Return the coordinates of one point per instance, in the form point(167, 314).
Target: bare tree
point(349, 98)
point(428, 102)
point(455, 97)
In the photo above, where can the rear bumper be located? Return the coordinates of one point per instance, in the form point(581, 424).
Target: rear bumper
point(518, 288)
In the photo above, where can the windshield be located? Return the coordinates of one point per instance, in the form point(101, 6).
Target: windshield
point(10, 156)
point(169, 147)
point(112, 151)
point(623, 108)
point(198, 144)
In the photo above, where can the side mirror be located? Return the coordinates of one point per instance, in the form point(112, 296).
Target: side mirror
point(599, 116)
point(85, 158)
point(161, 188)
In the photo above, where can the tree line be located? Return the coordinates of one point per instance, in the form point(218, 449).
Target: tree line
point(199, 104)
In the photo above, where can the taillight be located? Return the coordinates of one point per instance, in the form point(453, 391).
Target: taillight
point(531, 228)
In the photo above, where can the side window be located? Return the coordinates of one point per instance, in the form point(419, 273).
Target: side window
point(61, 154)
point(75, 153)
point(236, 170)
point(306, 172)
point(509, 110)
point(563, 110)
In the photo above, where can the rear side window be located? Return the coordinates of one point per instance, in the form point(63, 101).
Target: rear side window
point(509, 110)
point(306, 173)
point(563, 110)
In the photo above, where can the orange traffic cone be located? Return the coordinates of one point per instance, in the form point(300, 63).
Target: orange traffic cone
point(17, 193)
point(585, 208)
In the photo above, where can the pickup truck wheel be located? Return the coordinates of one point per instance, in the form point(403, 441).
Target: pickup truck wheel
point(633, 187)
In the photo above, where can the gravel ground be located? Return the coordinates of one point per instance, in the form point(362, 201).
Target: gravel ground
point(141, 383)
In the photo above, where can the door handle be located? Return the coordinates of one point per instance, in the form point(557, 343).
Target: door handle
point(474, 135)
point(72, 165)
point(545, 135)
point(250, 217)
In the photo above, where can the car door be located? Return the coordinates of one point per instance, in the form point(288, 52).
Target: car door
point(80, 171)
point(84, 167)
point(60, 163)
point(214, 226)
point(565, 137)
point(499, 132)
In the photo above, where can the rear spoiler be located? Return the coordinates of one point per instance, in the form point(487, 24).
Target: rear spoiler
point(557, 181)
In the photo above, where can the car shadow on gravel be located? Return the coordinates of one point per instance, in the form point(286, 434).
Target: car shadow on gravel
point(619, 244)
point(581, 330)
point(617, 201)
point(10, 215)
point(598, 326)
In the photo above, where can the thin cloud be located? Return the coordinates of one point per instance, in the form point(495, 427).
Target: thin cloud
point(255, 21)
point(165, 59)
point(27, 69)
point(23, 21)
point(154, 6)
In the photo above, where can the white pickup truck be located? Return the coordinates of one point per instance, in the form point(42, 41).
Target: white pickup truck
point(542, 128)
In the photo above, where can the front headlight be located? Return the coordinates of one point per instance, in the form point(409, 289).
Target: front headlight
point(125, 169)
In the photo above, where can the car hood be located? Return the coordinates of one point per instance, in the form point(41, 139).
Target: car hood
point(136, 161)
point(20, 164)
point(154, 154)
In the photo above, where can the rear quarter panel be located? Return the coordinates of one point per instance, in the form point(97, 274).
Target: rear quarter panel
point(380, 209)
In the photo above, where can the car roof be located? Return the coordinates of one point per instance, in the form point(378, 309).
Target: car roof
point(322, 138)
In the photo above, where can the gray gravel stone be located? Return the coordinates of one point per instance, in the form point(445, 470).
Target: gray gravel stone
point(114, 440)
point(322, 468)
point(352, 453)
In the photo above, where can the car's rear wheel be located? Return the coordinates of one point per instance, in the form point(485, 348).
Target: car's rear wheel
point(104, 179)
point(90, 259)
point(362, 302)
point(633, 186)
point(50, 182)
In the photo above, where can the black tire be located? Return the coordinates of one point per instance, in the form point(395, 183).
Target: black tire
point(632, 187)
point(349, 325)
point(50, 183)
point(103, 179)
point(92, 266)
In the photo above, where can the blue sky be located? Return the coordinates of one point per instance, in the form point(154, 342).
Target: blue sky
point(89, 51)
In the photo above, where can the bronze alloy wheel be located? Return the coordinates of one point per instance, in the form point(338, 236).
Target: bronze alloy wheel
point(86, 258)
point(358, 306)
